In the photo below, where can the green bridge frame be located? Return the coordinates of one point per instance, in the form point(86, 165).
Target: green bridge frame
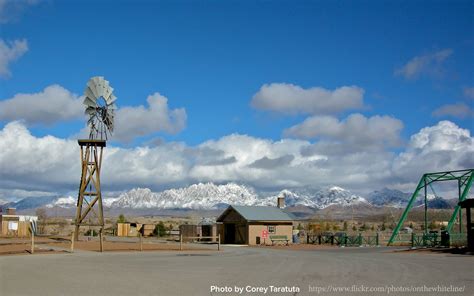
point(464, 179)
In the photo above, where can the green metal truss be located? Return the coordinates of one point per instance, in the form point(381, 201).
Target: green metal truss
point(464, 179)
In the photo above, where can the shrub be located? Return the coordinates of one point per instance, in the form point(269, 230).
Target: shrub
point(160, 229)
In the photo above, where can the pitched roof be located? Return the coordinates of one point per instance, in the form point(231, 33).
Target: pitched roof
point(260, 213)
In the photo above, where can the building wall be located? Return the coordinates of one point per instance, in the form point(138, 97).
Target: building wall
point(22, 229)
point(19, 222)
point(255, 229)
point(147, 229)
point(187, 230)
point(123, 229)
point(233, 217)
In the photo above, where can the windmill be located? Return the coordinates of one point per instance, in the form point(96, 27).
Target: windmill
point(100, 105)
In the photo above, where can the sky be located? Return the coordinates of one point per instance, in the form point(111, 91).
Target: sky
point(272, 94)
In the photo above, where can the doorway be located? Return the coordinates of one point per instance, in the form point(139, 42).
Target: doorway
point(229, 233)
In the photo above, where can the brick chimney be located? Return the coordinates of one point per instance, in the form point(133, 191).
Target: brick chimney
point(280, 202)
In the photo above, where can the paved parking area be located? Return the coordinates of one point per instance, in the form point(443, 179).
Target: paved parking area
point(309, 272)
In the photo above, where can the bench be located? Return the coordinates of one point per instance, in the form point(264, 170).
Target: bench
point(279, 238)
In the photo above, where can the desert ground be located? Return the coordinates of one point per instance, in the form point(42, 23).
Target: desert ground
point(202, 270)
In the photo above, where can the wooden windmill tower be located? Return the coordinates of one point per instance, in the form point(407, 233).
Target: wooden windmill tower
point(99, 101)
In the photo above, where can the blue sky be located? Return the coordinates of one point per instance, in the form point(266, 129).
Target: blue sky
point(212, 57)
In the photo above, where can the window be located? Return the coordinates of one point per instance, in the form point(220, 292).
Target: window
point(271, 229)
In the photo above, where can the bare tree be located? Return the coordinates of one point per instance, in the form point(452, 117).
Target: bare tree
point(42, 216)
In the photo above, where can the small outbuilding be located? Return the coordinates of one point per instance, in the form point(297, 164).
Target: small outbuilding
point(250, 225)
point(206, 228)
point(15, 225)
point(132, 229)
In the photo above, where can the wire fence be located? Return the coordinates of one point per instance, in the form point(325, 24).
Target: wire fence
point(433, 239)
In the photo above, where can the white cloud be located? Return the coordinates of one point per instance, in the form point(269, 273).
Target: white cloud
point(49, 106)
point(425, 64)
point(50, 164)
point(56, 104)
point(442, 147)
point(10, 10)
point(34, 163)
point(358, 130)
point(10, 52)
point(132, 122)
point(292, 99)
point(271, 163)
point(458, 110)
point(469, 92)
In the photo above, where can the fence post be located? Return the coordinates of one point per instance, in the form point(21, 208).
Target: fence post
point(180, 242)
point(219, 242)
point(141, 241)
point(101, 241)
point(412, 240)
point(72, 242)
point(32, 242)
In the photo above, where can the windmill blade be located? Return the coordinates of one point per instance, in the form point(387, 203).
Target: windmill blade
point(91, 86)
point(90, 111)
point(111, 106)
point(109, 121)
point(90, 102)
point(110, 117)
point(111, 99)
point(101, 117)
point(105, 83)
point(93, 118)
point(108, 92)
point(88, 93)
point(98, 86)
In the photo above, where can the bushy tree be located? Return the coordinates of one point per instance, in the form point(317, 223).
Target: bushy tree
point(344, 226)
point(432, 226)
point(91, 232)
point(327, 226)
point(160, 229)
point(121, 219)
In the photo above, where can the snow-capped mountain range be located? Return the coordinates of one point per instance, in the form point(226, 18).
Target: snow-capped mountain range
point(211, 196)
point(206, 196)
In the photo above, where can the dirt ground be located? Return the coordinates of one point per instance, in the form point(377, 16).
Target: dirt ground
point(18, 249)
point(126, 246)
point(63, 244)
